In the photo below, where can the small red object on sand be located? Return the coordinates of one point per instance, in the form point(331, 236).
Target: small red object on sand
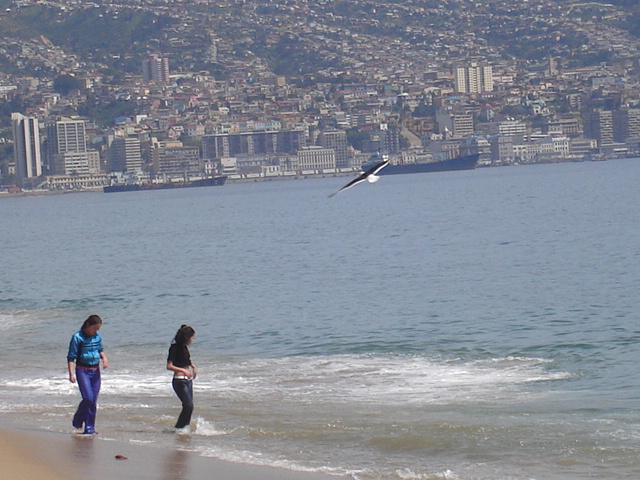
point(120, 457)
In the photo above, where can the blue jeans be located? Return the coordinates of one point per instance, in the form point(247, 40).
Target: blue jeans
point(184, 390)
point(89, 383)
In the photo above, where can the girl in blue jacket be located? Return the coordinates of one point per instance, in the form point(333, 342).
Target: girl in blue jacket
point(85, 354)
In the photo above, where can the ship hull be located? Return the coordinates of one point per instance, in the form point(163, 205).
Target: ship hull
point(205, 182)
point(121, 188)
point(466, 162)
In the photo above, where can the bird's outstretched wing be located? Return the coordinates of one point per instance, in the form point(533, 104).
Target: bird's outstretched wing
point(364, 176)
point(377, 167)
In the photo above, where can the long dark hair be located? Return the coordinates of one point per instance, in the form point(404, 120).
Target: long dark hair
point(90, 321)
point(184, 333)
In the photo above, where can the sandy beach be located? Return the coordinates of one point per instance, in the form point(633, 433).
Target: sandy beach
point(22, 458)
point(27, 454)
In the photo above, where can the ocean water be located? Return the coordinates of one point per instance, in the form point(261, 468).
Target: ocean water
point(476, 325)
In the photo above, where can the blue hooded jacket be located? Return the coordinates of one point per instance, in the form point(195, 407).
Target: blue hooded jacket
point(84, 350)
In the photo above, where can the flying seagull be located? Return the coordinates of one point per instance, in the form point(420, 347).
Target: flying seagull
point(369, 175)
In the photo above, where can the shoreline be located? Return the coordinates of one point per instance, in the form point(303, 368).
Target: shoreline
point(278, 178)
point(27, 452)
point(274, 178)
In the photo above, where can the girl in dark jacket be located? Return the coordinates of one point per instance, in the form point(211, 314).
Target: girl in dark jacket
point(184, 372)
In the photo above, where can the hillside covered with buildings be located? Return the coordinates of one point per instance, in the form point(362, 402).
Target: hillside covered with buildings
point(251, 89)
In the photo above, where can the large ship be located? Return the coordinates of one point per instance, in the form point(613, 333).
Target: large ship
point(127, 186)
point(465, 162)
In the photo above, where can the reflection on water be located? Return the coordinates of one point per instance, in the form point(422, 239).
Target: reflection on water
point(83, 449)
point(176, 466)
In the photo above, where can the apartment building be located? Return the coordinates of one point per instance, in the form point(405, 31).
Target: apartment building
point(455, 125)
point(124, 154)
point(337, 140)
point(253, 143)
point(155, 69)
point(626, 124)
point(473, 78)
point(66, 148)
point(176, 161)
point(599, 125)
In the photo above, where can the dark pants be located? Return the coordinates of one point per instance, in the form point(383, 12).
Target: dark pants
point(89, 383)
point(184, 390)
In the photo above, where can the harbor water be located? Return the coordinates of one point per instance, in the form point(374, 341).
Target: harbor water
point(471, 325)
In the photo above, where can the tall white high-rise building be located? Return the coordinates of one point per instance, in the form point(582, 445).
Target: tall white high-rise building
point(473, 78)
point(26, 152)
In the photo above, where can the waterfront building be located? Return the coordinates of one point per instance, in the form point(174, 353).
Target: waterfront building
point(27, 149)
point(550, 148)
point(599, 125)
point(336, 139)
point(124, 154)
point(477, 145)
point(67, 150)
point(253, 143)
point(580, 147)
point(228, 165)
point(633, 119)
point(501, 149)
point(80, 181)
point(524, 152)
point(415, 155)
point(316, 158)
point(176, 161)
point(73, 163)
point(454, 125)
point(626, 124)
point(444, 149)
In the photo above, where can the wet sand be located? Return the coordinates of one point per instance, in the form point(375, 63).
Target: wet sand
point(22, 458)
point(28, 454)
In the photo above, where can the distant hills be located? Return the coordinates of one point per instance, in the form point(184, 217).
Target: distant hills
point(93, 34)
point(632, 23)
point(117, 37)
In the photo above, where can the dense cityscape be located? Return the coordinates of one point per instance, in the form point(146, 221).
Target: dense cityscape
point(159, 91)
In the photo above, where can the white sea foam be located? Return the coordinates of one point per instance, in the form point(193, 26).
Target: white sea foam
point(55, 385)
point(207, 428)
point(141, 384)
point(411, 475)
point(342, 378)
point(379, 379)
point(263, 460)
point(111, 384)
